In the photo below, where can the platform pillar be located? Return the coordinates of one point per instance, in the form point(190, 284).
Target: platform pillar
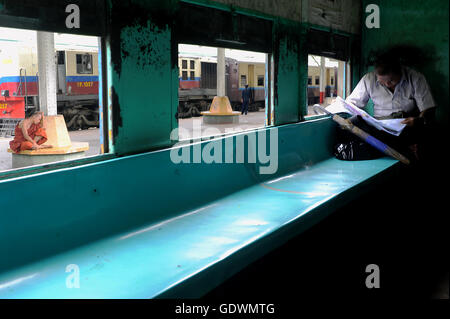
point(47, 72)
point(322, 79)
point(340, 80)
point(221, 72)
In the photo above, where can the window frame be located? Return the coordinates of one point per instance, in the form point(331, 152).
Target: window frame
point(107, 154)
point(255, 34)
point(338, 45)
point(330, 83)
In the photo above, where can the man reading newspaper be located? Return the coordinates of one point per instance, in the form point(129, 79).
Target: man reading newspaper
point(403, 105)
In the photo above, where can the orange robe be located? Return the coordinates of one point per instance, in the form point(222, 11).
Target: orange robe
point(21, 144)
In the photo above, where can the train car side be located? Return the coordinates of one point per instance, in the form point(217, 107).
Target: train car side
point(78, 88)
point(18, 79)
point(77, 83)
point(81, 73)
point(198, 79)
point(189, 73)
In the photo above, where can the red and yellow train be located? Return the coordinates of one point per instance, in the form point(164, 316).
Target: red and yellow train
point(198, 82)
point(77, 80)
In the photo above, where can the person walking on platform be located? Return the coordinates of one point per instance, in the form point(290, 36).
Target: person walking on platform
point(246, 94)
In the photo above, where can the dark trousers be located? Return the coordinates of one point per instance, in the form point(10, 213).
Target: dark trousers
point(245, 107)
point(418, 135)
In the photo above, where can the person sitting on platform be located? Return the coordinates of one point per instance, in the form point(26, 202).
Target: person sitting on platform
point(29, 134)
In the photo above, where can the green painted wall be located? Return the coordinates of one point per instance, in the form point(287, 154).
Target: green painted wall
point(142, 69)
point(141, 62)
point(142, 66)
point(423, 24)
point(143, 76)
point(288, 58)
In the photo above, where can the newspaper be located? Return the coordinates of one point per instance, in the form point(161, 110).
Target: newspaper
point(391, 126)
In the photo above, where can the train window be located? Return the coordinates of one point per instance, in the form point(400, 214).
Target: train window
point(184, 64)
point(84, 63)
point(73, 114)
point(329, 80)
point(260, 80)
point(61, 57)
point(196, 96)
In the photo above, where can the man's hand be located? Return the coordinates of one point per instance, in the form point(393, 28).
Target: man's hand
point(410, 121)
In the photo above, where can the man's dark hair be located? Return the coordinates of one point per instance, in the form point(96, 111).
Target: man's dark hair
point(390, 59)
point(388, 63)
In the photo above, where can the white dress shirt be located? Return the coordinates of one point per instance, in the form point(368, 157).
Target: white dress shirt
point(410, 94)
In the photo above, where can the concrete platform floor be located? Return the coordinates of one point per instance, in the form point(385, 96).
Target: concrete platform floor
point(249, 121)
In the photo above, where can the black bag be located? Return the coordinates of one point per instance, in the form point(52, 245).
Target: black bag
point(349, 147)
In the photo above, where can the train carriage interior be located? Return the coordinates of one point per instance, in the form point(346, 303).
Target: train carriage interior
point(184, 149)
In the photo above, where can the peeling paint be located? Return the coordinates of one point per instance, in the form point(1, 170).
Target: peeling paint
point(141, 60)
point(287, 71)
point(127, 17)
point(142, 43)
point(116, 117)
